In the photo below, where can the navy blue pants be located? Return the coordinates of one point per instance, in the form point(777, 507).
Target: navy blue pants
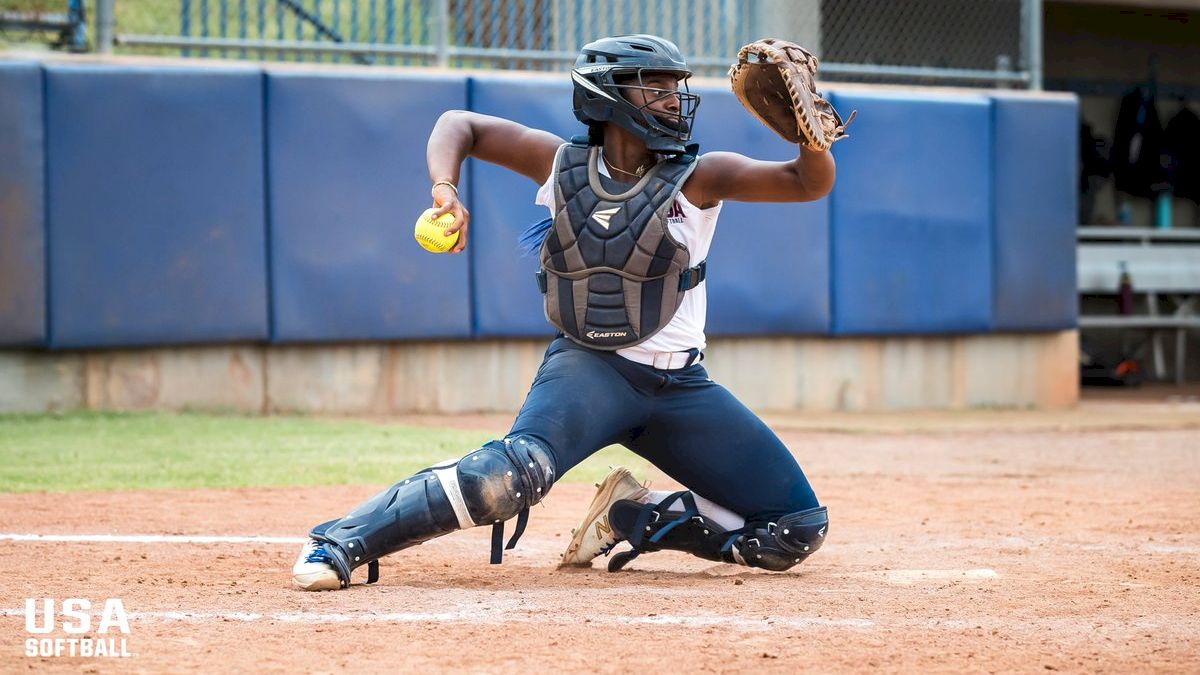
point(681, 421)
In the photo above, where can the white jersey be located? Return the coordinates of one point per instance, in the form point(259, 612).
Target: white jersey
point(693, 227)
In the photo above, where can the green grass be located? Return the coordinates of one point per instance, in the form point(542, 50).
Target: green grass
point(119, 451)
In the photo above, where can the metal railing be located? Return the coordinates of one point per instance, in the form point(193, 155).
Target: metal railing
point(985, 42)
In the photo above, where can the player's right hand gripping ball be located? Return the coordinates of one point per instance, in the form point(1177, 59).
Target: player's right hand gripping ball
point(774, 79)
point(431, 233)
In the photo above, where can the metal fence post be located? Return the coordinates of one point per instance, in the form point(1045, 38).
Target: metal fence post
point(441, 28)
point(104, 26)
point(1033, 41)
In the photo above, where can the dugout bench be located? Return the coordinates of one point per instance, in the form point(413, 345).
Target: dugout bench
point(1164, 267)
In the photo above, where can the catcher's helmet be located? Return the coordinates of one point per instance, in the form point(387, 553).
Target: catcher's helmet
point(599, 98)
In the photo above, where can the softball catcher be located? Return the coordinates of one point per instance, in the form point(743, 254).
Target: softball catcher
point(633, 206)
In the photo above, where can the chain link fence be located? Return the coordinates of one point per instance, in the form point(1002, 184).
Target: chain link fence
point(986, 42)
point(867, 39)
point(507, 34)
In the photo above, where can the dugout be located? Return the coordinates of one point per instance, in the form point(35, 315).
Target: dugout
point(1139, 180)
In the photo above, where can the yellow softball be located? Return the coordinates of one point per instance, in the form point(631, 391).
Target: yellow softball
point(431, 233)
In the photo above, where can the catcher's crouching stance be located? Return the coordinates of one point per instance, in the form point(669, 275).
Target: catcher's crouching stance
point(633, 209)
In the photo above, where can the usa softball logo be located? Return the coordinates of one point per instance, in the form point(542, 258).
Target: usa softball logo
point(77, 621)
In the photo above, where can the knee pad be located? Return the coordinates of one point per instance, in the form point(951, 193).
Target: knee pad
point(781, 545)
point(499, 480)
point(775, 546)
point(490, 485)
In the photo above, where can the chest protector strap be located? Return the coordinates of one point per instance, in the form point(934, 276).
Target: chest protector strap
point(611, 272)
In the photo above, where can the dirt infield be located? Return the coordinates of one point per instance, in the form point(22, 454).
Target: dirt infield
point(991, 547)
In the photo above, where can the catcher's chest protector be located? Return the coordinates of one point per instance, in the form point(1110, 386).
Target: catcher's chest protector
point(612, 274)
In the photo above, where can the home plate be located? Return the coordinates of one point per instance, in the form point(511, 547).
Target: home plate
point(910, 577)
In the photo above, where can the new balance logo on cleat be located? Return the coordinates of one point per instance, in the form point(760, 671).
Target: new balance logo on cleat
point(595, 535)
point(603, 529)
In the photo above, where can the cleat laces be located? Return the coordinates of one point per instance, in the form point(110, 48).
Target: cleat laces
point(318, 555)
point(608, 547)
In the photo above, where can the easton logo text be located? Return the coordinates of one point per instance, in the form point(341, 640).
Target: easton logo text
point(597, 335)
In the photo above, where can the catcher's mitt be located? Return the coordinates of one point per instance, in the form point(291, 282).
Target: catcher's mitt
point(774, 80)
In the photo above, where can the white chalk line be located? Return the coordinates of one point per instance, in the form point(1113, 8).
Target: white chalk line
point(152, 538)
point(477, 616)
point(910, 577)
point(1011, 542)
point(1173, 625)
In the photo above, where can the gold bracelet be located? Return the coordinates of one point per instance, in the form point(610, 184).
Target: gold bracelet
point(446, 183)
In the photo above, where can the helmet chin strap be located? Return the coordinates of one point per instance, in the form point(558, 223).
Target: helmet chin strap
point(675, 122)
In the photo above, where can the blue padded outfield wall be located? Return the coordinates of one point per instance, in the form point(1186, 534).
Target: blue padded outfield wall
point(507, 301)
point(346, 158)
point(912, 215)
point(183, 205)
point(22, 218)
point(156, 212)
point(787, 289)
point(1035, 192)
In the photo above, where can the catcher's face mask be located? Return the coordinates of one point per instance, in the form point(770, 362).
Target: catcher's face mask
point(664, 99)
point(639, 83)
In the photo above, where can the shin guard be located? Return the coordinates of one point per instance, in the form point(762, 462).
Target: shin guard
point(487, 487)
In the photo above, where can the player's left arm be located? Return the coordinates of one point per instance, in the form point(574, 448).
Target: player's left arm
point(729, 175)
